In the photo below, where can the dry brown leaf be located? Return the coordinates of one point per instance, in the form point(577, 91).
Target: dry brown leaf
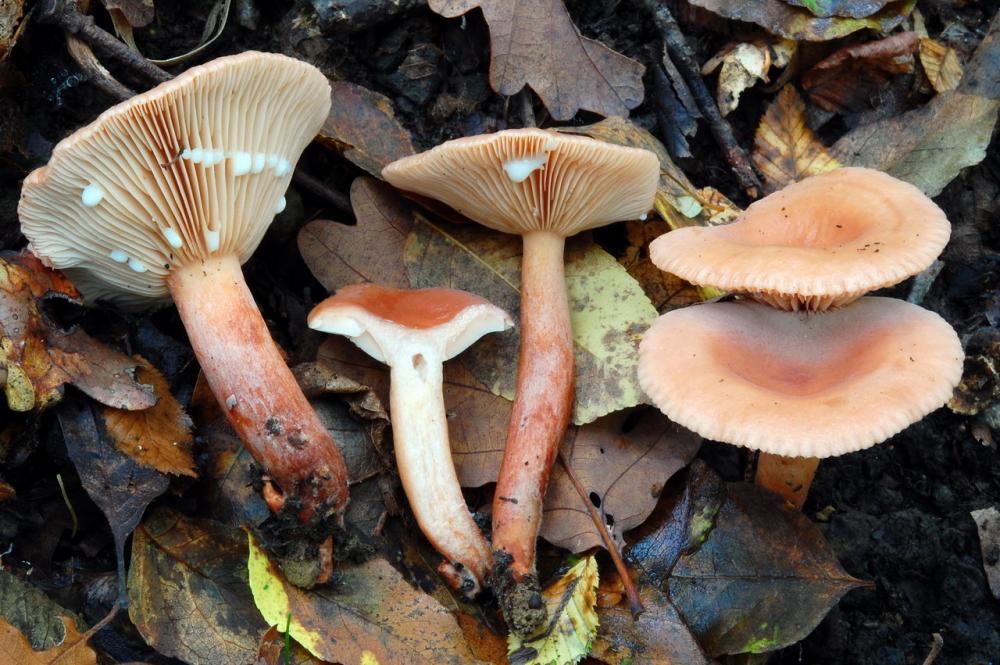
point(15, 650)
point(11, 25)
point(744, 64)
point(275, 651)
point(785, 150)
point(665, 290)
point(941, 64)
point(535, 43)
point(363, 126)
point(850, 78)
point(138, 13)
point(159, 436)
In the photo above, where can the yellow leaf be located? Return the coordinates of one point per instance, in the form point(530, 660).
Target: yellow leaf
point(567, 636)
point(15, 649)
point(785, 149)
point(941, 64)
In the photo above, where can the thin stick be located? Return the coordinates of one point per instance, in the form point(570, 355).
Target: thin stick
point(937, 643)
point(87, 635)
point(95, 71)
point(69, 504)
point(635, 604)
point(681, 55)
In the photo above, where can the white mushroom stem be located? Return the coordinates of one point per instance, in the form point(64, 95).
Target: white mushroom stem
point(255, 388)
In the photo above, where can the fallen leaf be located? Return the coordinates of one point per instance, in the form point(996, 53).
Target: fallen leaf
point(623, 461)
point(278, 648)
point(664, 289)
point(363, 127)
point(159, 436)
point(366, 611)
point(121, 487)
point(941, 64)
point(41, 621)
point(39, 357)
point(11, 25)
point(188, 592)
point(535, 43)
point(785, 150)
point(15, 649)
point(988, 523)
point(569, 632)
point(849, 79)
point(762, 580)
point(848, 8)
point(800, 24)
point(138, 13)
point(743, 64)
point(608, 309)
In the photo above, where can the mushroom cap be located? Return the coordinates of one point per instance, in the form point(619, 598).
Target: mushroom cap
point(817, 243)
point(796, 384)
point(386, 323)
point(523, 180)
point(197, 165)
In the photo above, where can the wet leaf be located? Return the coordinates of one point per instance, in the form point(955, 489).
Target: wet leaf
point(363, 127)
point(800, 24)
point(39, 357)
point(567, 635)
point(763, 578)
point(851, 77)
point(785, 150)
point(608, 309)
point(366, 611)
point(623, 461)
point(849, 8)
point(11, 25)
point(14, 648)
point(941, 64)
point(121, 487)
point(988, 523)
point(34, 614)
point(159, 436)
point(535, 43)
point(188, 591)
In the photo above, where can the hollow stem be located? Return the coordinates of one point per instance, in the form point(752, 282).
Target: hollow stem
point(788, 477)
point(255, 388)
point(423, 456)
point(538, 423)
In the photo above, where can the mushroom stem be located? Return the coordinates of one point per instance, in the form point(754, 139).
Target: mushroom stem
point(423, 456)
point(255, 388)
point(538, 423)
point(788, 477)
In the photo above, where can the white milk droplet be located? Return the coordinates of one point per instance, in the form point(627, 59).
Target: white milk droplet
point(136, 265)
point(186, 153)
point(272, 161)
point(280, 208)
point(218, 156)
point(283, 167)
point(118, 256)
point(643, 217)
point(518, 170)
point(259, 162)
point(212, 240)
point(92, 195)
point(173, 238)
point(242, 163)
point(196, 155)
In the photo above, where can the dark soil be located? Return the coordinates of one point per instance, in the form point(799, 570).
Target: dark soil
point(900, 512)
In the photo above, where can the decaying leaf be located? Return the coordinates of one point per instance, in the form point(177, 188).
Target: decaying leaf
point(11, 25)
point(188, 593)
point(744, 64)
point(800, 24)
point(608, 309)
point(849, 8)
point(39, 357)
point(159, 436)
point(850, 78)
point(623, 461)
point(535, 43)
point(988, 523)
point(785, 150)
point(941, 64)
point(569, 632)
point(15, 649)
point(363, 126)
point(664, 289)
point(367, 611)
point(41, 621)
point(138, 13)
point(277, 648)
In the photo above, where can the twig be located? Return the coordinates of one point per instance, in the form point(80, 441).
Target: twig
point(681, 55)
point(318, 189)
point(87, 635)
point(937, 643)
point(95, 71)
point(527, 108)
point(635, 604)
point(69, 504)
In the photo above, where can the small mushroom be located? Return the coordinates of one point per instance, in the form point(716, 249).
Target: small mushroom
point(544, 186)
point(166, 195)
point(819, 243)
point(799, 385)
point(414, 332)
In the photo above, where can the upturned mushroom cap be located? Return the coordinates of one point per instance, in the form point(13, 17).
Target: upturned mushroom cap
point(383, 321)
point(194, 167)
point(820, 242)
point(523, 180)
point(795, 384)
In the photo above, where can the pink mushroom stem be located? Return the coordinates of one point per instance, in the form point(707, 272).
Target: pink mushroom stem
point(542, 406)
point(788, 477)
point(255, 388)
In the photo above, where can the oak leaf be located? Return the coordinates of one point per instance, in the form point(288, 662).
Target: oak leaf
point(363, 126)
point(785, 150)
point(535, 43)
point(14, 648)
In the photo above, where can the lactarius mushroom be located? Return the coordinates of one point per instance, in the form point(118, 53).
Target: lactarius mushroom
point(414, 332)
point(813, 246)
point(543, 186)
point(799, 385)
point(165, 196)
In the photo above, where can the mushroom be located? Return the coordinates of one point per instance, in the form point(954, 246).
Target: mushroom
point(819, 243)
point(543, 186)
point(799, 385)
point(166, 195)
point(414, 332)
